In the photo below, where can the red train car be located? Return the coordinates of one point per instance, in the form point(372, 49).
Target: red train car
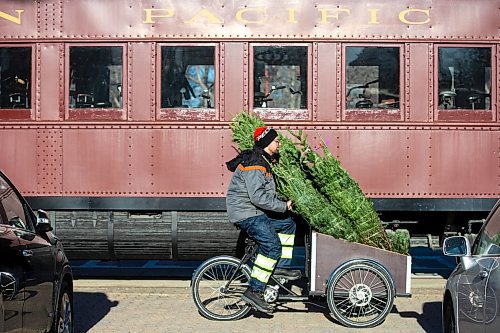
point(114, 115)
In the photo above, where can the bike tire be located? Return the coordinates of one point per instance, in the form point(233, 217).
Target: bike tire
point(211, 297)
point(360, 294)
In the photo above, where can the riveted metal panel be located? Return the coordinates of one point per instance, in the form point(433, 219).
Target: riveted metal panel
point(38, 62)
point(207, 19)
point(95, 161)
point(50, 16)
point(430, 80)
point(418, 161)
point(464, 163)
point(375, 158)
point(103, 19)
point(246, 78)
point(187, 162)
point(141, 60)
point(328, 86)
point(49, 162)
point(152, 82)
point(222, 81)
point(49, 82)
point(314, 75)
point(18, 19)
point(18, 158)
point(496, 104)
point(229, 150)
point(140, 166)
point(234, 70)
point(419, 83)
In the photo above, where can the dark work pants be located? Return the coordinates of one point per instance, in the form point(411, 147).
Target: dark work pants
point(264, 231)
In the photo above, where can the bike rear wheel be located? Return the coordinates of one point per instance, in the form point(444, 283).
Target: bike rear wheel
point(360, 294)
point(213, 297)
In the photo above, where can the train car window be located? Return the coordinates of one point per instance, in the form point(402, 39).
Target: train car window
point(280, 77)
point(96, 74)
point(188, 77)
point(15, 77)
point(464, 78)
point(372, 77)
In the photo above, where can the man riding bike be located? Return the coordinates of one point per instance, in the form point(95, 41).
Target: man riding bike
point(252, 203)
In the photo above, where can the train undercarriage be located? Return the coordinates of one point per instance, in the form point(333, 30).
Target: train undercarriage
point(197, 228)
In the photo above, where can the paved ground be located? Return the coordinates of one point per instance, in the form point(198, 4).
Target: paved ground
point(158, 306)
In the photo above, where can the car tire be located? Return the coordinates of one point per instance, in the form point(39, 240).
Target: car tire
point(63, 321)
point(449, 325)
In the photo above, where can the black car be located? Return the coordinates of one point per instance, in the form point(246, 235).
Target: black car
point(36, 283)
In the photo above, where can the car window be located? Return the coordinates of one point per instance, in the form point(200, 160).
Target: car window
point(488, 242)
point(13, 209)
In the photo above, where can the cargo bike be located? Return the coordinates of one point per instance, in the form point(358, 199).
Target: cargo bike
point(359, 282)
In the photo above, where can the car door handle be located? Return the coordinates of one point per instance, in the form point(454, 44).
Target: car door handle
point(484, 274)
point(27, 253)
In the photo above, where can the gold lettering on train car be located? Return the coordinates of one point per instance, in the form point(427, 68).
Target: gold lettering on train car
point(373, 16)
point(404, 13)
point(13, 19)
point(204, 15)
point(327, 13)
point(291, 15)
point(152, 13)
point(259, 10)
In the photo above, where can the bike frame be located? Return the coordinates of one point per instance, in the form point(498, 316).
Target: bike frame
point(250, 250)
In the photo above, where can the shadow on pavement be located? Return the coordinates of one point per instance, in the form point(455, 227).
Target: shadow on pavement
point(430, 318)
point(89, 309)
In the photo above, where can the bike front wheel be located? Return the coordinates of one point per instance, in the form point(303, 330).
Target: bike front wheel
point(213, 296)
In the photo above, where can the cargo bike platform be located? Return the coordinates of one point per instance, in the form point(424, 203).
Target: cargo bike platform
point(359, 282)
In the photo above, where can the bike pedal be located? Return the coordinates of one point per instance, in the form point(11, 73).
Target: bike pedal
point(269, 312)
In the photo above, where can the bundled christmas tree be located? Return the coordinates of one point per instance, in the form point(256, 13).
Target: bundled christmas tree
point(321, 190)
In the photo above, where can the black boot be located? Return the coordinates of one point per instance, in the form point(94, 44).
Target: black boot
point(289, 274)
point(256, 300)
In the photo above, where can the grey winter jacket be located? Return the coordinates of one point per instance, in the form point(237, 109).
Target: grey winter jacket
point(252, 192)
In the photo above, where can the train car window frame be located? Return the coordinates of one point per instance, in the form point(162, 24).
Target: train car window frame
point(289, 114)
point(188, 113)
point(463, 114)
point(96, 113)
point(375, 113)
point(22, 113)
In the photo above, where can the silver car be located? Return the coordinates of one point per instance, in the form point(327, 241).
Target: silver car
point(472, 295)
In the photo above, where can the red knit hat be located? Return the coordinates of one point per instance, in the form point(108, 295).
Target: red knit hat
point(263, 136)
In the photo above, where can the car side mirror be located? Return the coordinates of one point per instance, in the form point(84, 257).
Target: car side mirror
point(456, 246)
point(43, 222)
point(8, 286)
